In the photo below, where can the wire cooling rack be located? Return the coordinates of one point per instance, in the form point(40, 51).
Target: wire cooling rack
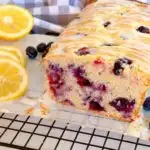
point(33, 133)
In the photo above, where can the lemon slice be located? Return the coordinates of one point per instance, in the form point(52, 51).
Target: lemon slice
point(15, 51)
point(4, 54)
point(13, 80)
point(15, 22)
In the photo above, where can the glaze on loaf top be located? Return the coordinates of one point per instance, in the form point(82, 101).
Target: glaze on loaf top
point(110, 29)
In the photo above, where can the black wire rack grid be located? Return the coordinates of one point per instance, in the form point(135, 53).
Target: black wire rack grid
point(33, 133)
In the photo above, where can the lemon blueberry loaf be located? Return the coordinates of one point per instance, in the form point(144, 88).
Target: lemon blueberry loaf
point(100, 63)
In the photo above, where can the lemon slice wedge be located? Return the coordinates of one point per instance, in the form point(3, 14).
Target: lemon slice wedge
point(16, 52)
point(4, 54)
point(15, 22)
point(13, 80)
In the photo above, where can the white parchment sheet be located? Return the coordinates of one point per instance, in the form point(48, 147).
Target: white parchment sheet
point(37, 103)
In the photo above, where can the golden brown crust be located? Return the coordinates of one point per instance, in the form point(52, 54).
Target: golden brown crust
point(105, 114)
point(135, 114)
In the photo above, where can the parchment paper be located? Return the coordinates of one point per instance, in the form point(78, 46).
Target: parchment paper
point(37, 103)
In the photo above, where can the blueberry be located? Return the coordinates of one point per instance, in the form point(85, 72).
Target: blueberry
point(49, 45)
point(31, 52)
point(146, 104)
point(143, 29)
point(41, 47)
point(106, 24)
point(78, 72)
point(55, 76)
point(82, 81)
point(102, 87)
point(56, 68)
point(123, 104)
point(119, 65)
point(83, 51)
point(95, 106)
point(126, 61)
point(47, 49)
point(45, 53)
point(118, 69)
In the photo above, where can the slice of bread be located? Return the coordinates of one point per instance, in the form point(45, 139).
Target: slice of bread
point(100, 63)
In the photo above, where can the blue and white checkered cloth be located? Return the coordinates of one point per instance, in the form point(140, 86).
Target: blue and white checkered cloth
point(59, 12)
